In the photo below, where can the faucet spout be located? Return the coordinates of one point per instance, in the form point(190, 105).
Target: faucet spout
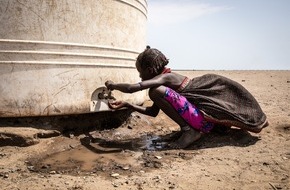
point(104, 95)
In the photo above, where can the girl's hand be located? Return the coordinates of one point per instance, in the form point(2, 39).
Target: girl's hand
point(117, 104)
point(109, 84)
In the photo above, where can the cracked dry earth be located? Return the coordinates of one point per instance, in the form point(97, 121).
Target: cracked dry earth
point(127, 157)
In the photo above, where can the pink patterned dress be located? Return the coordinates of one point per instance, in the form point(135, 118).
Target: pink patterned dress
point(189, 112)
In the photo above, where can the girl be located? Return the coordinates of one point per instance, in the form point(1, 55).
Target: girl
point(196, 105)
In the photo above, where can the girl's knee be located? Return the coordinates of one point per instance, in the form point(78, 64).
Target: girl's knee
point(157, 92)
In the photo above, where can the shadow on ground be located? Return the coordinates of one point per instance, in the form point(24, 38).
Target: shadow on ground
point(231, 137)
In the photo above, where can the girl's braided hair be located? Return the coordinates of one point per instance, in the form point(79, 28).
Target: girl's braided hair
point(153, 58)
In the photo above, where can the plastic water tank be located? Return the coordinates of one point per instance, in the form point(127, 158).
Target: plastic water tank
point(55, 55)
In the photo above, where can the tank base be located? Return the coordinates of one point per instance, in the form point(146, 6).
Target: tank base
point(75, 124)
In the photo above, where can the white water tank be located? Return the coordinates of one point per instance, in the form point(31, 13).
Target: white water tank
point(55, 55)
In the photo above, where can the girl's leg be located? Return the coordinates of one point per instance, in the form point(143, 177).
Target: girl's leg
point(189, 134)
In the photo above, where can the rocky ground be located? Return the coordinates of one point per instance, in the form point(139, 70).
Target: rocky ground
point(127, 157)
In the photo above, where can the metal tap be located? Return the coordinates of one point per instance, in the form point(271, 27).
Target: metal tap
point(104, 95)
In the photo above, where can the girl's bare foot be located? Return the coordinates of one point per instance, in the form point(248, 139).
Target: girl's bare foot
point(188, 136)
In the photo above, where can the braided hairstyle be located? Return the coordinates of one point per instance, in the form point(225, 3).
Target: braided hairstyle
point(153, 58)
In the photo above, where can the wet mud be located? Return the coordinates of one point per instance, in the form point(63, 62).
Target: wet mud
point(106, 153)
point(92, 155)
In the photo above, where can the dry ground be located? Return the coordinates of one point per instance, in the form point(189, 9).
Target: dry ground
point(125, 157)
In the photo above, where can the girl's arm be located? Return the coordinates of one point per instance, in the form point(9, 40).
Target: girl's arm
point(123, 87)
point(151, 111)
point(131, 88)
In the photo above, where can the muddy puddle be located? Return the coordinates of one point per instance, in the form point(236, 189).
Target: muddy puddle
point(98, 156)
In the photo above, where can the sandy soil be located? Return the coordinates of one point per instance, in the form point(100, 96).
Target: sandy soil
point(126, 157)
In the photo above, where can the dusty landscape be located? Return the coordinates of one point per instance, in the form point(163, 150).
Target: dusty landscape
point(128, 157)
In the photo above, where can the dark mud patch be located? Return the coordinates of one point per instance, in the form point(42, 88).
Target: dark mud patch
point(23, 137)
point(135, 147)
point(81, 160)
point(107, 158)
point(10, 139)
point(95, 156)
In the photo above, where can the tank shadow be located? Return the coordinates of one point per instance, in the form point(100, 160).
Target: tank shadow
point(65, 124)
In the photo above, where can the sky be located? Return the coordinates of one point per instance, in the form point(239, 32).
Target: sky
point(221, 34)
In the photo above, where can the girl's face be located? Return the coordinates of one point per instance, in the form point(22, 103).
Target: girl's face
point(144, 74)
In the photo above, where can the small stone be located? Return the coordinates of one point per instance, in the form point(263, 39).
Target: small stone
point(115, 185)
point(30, 168)
point(158, 157)
point(126, 168)
point(157, 177)
point(52, 172)
point(115, 175)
